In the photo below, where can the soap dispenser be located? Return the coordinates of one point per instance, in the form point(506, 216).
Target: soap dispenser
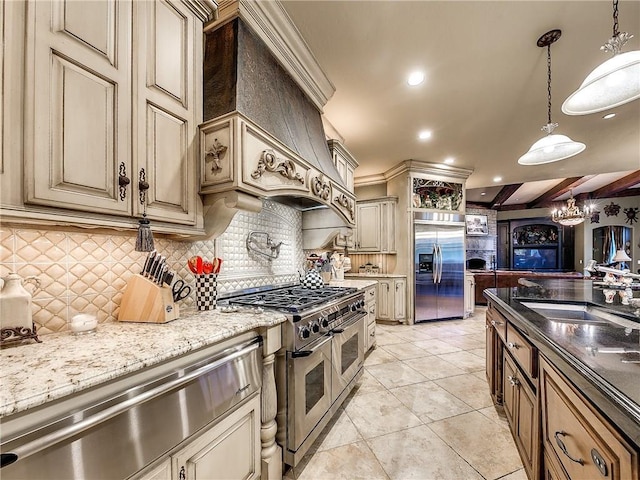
point(16, 319)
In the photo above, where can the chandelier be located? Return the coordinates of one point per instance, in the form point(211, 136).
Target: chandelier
point(571, 215)
point(552, 147)
point(613, 83)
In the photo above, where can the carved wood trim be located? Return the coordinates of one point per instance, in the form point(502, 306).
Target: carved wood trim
point(217, 151)
point(343, 201)
point(320, 188)
point(268, 162)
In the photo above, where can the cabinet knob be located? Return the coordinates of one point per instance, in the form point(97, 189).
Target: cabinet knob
point(563, 447)
point(513, 381)
point(123, 181)
point(513, 346)
point(183, 474)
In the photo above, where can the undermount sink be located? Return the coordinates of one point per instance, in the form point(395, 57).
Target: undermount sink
point(579, 313)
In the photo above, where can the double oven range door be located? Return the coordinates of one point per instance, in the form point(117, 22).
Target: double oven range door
point(315, 379)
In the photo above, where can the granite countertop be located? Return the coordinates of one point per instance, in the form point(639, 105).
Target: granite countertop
point(374, 275)
point(64, 363)
point(360, 284)
point(598, 355)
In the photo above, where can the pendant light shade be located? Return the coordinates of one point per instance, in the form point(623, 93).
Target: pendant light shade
point(614, 83)
point(611, 84)
point(551, 148)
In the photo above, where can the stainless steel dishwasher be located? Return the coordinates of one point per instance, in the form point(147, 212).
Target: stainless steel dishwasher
point(119, 435)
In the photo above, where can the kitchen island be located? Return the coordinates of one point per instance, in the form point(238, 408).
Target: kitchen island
point(45, 381)
point(565, 365)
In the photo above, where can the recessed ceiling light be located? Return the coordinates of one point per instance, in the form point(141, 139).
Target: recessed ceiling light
point(609, 115)
point(449, 160)
point(415, 78)
point(497, 179)
point(483, 193)
point(424, 135)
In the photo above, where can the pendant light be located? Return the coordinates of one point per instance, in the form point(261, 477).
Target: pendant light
point(571, 215)
point(551, 148)
point(613, 83)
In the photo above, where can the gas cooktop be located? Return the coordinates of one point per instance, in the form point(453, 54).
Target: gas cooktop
point(293, 299)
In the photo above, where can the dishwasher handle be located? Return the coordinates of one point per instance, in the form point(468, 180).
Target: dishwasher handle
point(41, 443)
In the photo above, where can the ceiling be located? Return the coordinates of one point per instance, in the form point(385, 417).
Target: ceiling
point(485, 94)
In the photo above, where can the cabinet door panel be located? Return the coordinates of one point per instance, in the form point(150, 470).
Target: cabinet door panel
point(168, 61)
point(230, 450)
point(383, 299)
point(166, 137)
point(92, 23)
point(399, 299)
point(369, 228)
point(165, 109)
point(78, 94)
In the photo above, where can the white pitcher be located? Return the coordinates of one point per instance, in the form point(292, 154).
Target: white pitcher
point(15, 301)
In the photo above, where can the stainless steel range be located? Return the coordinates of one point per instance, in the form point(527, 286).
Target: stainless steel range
point(324, 353)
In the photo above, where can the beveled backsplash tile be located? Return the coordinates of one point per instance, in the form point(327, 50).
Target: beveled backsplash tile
point(7, 245)
point(40, 246)
point(89, 278)
point(89, 248)
point(84, 271)
point(53, 279)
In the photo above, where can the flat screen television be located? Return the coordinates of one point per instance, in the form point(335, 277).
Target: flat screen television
point(535, 258)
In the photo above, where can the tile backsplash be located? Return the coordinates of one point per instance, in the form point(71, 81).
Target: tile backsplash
point(87, 271)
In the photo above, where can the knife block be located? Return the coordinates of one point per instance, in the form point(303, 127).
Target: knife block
point(146, 301)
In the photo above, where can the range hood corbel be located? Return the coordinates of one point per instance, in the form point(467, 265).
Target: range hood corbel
point(219, 210)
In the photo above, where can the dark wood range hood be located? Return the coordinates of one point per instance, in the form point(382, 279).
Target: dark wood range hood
point(263, 136)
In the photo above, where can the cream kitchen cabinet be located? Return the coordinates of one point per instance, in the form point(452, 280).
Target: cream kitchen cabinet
point(370, 308)
point(229, 450)
point(376, 225)
point(113, 89)
point(391, 300)
point(345, 162)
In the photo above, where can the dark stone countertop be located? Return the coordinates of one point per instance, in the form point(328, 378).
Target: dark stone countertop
point(596, 356)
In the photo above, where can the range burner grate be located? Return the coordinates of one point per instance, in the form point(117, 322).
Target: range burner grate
point(292, 299)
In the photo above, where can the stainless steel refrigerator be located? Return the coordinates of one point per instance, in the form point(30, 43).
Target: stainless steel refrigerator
point(439, 266)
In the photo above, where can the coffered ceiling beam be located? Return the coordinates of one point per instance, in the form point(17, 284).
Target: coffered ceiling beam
point(504, 194)
point(618, 186)
point(558, 190)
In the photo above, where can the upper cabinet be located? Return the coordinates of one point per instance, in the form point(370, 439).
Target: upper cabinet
point(345, 163)
point(376, 225)
point(112, 95)
point(78, 105)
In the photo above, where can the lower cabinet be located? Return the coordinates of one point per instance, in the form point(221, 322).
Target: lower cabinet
point(559, 433)
point(391, 299)
point(578, 443)
point(227, 450)
point(521, 407)
point(370, 308)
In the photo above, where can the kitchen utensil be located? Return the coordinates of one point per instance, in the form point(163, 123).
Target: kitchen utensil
point(168, 276)
point(207, 267)
point(148, 263)
point(217, 264)
point(192, 263)
point(154, 266)
point(160, 276)
point(155, 270)
point(199, 265)
point(180, 290)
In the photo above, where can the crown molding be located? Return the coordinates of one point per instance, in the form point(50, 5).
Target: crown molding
point(271, 23)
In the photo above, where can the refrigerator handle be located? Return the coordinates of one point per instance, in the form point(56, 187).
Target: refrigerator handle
point(439, 263)
point(436, 263)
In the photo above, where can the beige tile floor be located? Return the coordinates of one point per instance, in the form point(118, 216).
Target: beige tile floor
point(422, 411)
